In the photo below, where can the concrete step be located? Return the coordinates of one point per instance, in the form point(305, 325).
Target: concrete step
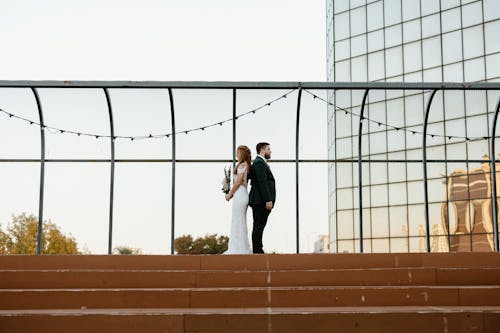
point(253, 262)
point(98, 278)
point(249, 297)
point(291, 320)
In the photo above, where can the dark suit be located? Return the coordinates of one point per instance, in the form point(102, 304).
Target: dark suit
point(263, 190)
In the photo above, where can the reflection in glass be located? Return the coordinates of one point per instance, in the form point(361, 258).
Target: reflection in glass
point(398, 217)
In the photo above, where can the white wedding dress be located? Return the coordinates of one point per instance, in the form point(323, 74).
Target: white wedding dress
point(238, 238)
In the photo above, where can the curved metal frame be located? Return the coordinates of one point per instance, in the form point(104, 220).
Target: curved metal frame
point(424, 163)
point(234, 128)
point(172, 113)
point(297, 219)
point(493, 158)
point(112, 175)
point(360, 170)
point(42, 171)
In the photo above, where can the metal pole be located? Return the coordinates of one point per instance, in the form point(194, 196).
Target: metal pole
point(424, 162)
point(297, 173)
point(494, 177)
point(360, 171)
point(42, 172)
point(112, 176)
point(172, 113)
point(234, 128)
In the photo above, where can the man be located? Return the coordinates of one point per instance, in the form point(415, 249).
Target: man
point(262, 195)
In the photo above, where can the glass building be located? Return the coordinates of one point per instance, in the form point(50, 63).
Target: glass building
point(411, 41)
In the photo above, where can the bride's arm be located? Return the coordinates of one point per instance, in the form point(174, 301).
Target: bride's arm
point(236, 185)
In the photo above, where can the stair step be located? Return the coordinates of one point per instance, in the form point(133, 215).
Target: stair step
point(341, 319)
point(248, 297)
point(253, 262)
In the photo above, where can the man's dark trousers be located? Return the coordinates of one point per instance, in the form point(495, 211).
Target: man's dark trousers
point(260, 215)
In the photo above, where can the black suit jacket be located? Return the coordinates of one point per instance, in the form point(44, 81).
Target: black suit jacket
point(263, 188)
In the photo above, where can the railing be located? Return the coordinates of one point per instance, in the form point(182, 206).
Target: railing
point(234, 87)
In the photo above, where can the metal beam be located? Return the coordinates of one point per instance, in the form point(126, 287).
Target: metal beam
point(112, 170)
point(252, 85)
point(42, 172)
point(360, 170)
point(297, 218)
point(424, 158)
point(493, 159)
point(172, 115)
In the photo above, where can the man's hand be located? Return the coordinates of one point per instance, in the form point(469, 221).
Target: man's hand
point(228, 197)
point(269, 205)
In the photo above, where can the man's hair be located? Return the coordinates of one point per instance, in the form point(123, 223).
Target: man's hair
point(261, 145)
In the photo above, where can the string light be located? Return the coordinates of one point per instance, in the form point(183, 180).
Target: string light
point(55, 130)
point(338, 108)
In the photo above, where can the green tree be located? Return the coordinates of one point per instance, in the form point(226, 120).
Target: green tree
point(22, 233)
point(126, 250)
point(210, 244)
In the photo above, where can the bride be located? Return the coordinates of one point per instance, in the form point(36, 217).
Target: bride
point(238, 238)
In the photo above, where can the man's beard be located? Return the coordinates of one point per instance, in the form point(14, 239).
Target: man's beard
point(267, 156)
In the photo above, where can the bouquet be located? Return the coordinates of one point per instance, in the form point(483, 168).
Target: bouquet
point(226, 181)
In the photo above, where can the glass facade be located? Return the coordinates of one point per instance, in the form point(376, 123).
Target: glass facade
point(411, 41)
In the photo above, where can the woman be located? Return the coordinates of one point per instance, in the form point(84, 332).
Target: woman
point(238, 239)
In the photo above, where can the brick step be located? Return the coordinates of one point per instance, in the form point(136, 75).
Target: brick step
point(290, 320)
point(253, 262)
point(11, 299)
point(53, 279)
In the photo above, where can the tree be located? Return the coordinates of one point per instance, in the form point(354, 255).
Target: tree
point(210, 244)
point(22, 233)
point(126, 250)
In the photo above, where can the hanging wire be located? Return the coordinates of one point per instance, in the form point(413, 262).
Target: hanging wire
point(56, 130)
point(397, 128)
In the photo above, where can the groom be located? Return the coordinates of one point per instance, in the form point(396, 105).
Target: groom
point(262, 195)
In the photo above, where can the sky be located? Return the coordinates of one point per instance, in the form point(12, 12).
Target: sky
point(164, 41)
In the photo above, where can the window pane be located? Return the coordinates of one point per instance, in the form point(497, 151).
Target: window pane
point(359, 69)
point(392, 9)
point(358, 45)
point(430, 7)
point(491, 35)
point(411, 9)
point(343, 71)
point(474, 70)
point(475, 102)
point(451, 20)
point(411, 30)
point(375, 16)
point(445, 4)
point(341, 5)
point(472, 14)
point(453, 73)
point(473, 42)
point(412, 57)
point(432, 52)
point(398, 221)
point(492, 66)
point(452, 47)
point(376, 66)
point(433, 75)
point(431, 25)
point(342, 50)
point(393, 61)
point(393, 36)
point(491, 9)
point(379, 195)
point(341, 26)
point(375, 41)
point(358, 21)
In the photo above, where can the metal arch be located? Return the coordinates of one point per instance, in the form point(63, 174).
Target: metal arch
point(424, 163)
point(42, 172)
point(112, 175)
point(172, 114)
point(494, 177)
point(299, 98)
point(360, 170)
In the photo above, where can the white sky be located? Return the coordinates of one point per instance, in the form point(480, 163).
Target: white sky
point(160, 40)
